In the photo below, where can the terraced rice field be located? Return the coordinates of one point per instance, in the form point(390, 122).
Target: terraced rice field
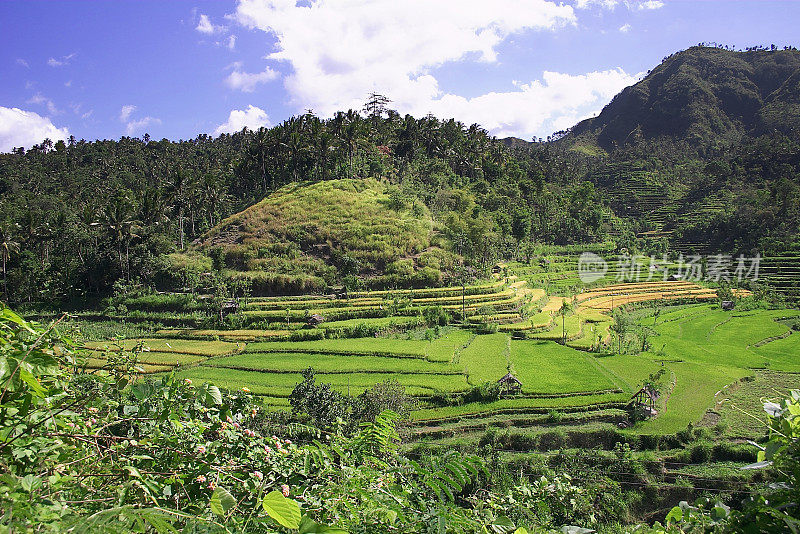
point(609, 297)
point(782, 273)
point(160, 354)
point(701, 348)
point(272, 369)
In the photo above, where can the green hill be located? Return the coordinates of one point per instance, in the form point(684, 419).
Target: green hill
point(308, 236)
point(703, 95)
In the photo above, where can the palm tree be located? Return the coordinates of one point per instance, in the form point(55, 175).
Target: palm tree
point(182, 190)
point(212, 196)
point(88, 218)
point(119, 221)
point(620, 326)
point(153, 208)
point(563, 313)
point(352, 132)
point(7, 247)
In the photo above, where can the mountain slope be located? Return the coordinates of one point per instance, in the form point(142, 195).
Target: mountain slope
point(706, 96)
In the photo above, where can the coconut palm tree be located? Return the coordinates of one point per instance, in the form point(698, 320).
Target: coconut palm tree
point(7, 247)
point(182, 190)
point(563, 313)
point(118, 219)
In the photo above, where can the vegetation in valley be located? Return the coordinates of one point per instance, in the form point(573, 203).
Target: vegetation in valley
point(378, 323)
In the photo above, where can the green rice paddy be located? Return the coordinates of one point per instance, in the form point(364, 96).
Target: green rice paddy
point(701, 349)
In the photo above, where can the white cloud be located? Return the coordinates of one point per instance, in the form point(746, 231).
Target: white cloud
point(625, 28)
point(205, 26)
point(40, 99)
point(246, 81)
point(26, 128)
point(360, 46)
point(22, 62)
point(649, 4)
point(65, 60)
point(132, 126)
point(540, 107)
point(138, 125)
point(605, 4)
point(252, 117)
point(125, 112)
point(231, 42)
point(612, 4)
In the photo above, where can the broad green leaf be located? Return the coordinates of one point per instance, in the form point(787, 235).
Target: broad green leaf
point(309, 526)
point(221, 501)
point(212, 393)
point(284, 511)
point(29, 482)
point(720, 512)
point(675, 515)
point(501, 525)
point(9, 315)
point(34, 384)
point(133, 471)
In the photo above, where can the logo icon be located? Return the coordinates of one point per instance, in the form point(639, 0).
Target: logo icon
point(591, 267)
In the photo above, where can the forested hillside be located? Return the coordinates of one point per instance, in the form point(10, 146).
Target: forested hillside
point(703, 152)
point(77, 216)
point(705, 96)
point(701, 155)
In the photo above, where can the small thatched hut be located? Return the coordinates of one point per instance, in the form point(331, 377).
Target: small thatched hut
point(510, 383)
point(645, 399)
point(315, 320)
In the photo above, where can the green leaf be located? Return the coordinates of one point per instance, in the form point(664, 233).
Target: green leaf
point(221, 501)
point(572, 529)
point(309, 526)
point(34, 384)
point(501, 525)
point(133, 471)
point(212, 393)
point(675, 515)
point(720, 512)
point(29, 482)
point(284, 511)
point(521, 530)
point(9, 315)
point(3, 366)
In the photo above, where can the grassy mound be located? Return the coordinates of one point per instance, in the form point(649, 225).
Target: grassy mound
point(307, 236)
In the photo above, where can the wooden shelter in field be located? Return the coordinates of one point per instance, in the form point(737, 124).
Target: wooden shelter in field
point(510, 383)
point(727, 305)
point(645, 399)
point(228, 307)
point(315, 320)
point(340, 292)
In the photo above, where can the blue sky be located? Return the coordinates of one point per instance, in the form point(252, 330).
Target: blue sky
point(102, 70)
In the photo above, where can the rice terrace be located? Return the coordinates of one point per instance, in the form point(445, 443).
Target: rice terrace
point(348, 312)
